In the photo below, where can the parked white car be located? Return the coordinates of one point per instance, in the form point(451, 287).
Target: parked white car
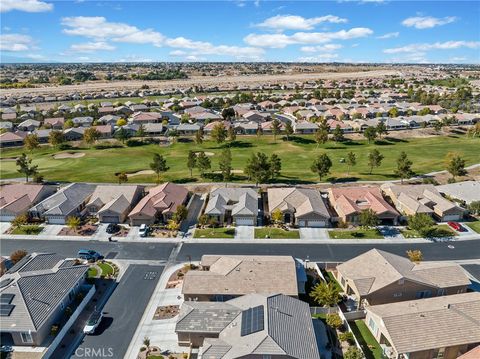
point(93, 322)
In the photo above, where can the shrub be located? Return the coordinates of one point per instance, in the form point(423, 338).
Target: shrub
point(135, 143)
point(353, 353)
point(54, 330)
point(64, 146)
point(347, 337)
point(17, 255)
point(334, 320)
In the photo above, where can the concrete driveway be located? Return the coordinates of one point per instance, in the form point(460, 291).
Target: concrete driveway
point(52, 229)
point(313, 233)
point(244, 232)
point(390, 232)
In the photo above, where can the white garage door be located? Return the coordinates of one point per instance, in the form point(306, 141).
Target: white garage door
point(317, 224)
point(56, 220)
point(6, 218)
point(452, 217)
point(244, 221)
point(301, 224)
point(110, 219)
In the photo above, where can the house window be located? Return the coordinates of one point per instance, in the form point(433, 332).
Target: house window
point(343, 282)
point(397, 295)
point(441, 291)
point(423, 294)
point(26, 337)
point(459, 291)
point(372, 325)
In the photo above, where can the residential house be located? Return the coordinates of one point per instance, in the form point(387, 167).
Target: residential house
point(67, 202)
point(221, 278)
point(109, 119)
point(146, 117)
point(465, 192)
point(153, 129)
point(43, 135)
point(105, 131)
point(253, 326)
point(378, 277)
point(349, 202)
point(16, 199)
point(304, 127)
point(28, 125)
point(34, 294)
point(188, 128)
point(233, 205)
point(55, 123)
point(74, 133)
point(443, 327)
point(160, 204)
point(422, 198)
point(246, 128)
point(85, 121)
point(112, 204)
point(12, 139)
point(6, 126)
point(303, 207)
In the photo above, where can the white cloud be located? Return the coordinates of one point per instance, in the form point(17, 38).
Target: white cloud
point(25, 5)
point(256, 3)
point(177, 53)
point(282, 40)
point(92, 47)
point(37, 57)
point(295, 22)
point(318, 58)
point(15, 42)
point(427, 22)
point(389, 35)
point(97, 27)
point(448, 45)
point(321, 48)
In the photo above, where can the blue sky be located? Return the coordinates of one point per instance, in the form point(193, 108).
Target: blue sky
point(240, 30)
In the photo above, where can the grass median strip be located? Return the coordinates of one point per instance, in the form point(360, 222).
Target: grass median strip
point(475, 226)
point(214, 233)
point(277, 233)
point(367, 341)
point(27, 229)
point(355, 234)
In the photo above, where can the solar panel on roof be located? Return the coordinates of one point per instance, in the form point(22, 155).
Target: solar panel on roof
point(6, 298)
point(252, 320)
point(6, 309)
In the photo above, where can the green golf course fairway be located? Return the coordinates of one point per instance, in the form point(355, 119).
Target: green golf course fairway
point(297, 155)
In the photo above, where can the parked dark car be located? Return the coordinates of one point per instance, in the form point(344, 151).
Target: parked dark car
point(113, 228)
point(89, 255)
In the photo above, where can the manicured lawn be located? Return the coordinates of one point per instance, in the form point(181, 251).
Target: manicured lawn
point(100, 165)
point(277, 233)
point(474, 225)
point(92, 272)
point(320, 316)
point(438, 231)
point(106, 268)
point(214, 233)
point(355, 234)
point(367, 341)
point(27, 229)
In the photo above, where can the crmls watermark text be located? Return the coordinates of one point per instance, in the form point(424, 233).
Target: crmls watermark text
point(94, 352)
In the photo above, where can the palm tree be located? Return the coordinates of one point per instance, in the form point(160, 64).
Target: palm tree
point(326, 294)
point(146, 342)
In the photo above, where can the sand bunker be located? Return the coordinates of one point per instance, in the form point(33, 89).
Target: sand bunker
point(64, 155)
point(206, 153)
point(140, 173)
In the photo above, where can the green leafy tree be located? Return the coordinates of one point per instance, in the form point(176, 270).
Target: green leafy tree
point(258, 168)
point(121, 122)
point(326, 294)
point(370, 134)
point(122, 135)
point(56, 138)
point(275, 165)
point(122, 178)
point(141, 131)
point(351, 161)
point(375, 159)
point(404, 167)
point(68, 124)
point(337, 134)
point(91, 135)
point(415, 255)
point(288, 130)
point(173, 134)
point(225, 164)
point(228, 113)
point(191, 161)
point(277, 216)
point(474, 207)
point(368, 218)
point(199, 136)
point(393, 112)
point(19, 220)
point(456, 166)
point(321, 136)
point(381, 129)
point(232, 134)
point(180, 214)
point(25, 166)
point(276, 126)
point(31, 142)
point(421, 223)
point(321, 165)
point(219, 133)
point(159, 165)
point(203, 163)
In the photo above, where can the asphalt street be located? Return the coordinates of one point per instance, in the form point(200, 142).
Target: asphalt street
point(320, 252)
point(122, 313)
